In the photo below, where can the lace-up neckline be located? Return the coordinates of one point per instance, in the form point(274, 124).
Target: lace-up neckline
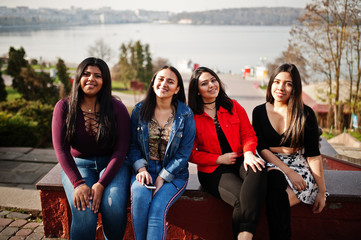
point(91, 120)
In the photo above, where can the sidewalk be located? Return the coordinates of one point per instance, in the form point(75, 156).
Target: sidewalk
point(20, 170)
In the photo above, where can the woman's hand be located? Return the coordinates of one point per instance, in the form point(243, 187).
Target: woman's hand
point(82, 195)
point(297, 181)
point(320, 203)
point(227, 158)
point(317, 172)
point(97, 193)
point(143, 176)
point(254, 162)
point(158, 184)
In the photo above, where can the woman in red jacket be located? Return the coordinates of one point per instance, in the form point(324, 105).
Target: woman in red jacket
point(224, 151)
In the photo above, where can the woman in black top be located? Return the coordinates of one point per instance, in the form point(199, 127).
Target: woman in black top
point(287, 133)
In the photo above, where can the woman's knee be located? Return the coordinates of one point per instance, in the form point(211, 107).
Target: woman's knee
point(116, 194)
point(259, 175)
point(114, 203)
point(87, 219)
point(140, 195)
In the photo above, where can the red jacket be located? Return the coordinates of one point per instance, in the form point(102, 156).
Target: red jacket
point(237, 129)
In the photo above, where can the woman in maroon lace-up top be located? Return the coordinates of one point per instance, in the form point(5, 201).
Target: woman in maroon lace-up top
point(91, 135)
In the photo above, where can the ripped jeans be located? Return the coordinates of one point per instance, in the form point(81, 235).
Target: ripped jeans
point(112, 207)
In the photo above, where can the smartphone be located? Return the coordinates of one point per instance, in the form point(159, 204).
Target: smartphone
point(149, 186)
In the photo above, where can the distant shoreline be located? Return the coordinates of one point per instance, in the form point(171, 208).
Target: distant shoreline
point(48, 17)
point(46, 27)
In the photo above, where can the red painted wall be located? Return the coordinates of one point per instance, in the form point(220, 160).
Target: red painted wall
point(201, 216)
point(337, 164)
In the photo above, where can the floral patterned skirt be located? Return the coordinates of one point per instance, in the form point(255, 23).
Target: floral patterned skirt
point(299, 164)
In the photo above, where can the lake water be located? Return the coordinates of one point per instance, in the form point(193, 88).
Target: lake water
point(223, 48)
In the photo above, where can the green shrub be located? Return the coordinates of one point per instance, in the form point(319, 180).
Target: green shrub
point(327, 135)
point(25, 123)
point(356, 135)
point(12, 93)
point(16, 130)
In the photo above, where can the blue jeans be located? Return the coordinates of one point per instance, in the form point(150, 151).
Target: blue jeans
point(113, 207)
point(149, 213)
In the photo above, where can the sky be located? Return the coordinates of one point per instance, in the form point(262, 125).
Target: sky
point(157, 5)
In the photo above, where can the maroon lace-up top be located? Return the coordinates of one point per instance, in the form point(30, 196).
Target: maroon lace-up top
point(85, 144)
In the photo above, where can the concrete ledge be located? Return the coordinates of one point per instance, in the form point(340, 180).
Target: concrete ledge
point(52, 180)
point(339, 183)
point(198, 215)
point(343, 185)
point(345, 139)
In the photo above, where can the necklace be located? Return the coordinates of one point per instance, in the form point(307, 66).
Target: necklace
point(88, 108)
point(210, 102)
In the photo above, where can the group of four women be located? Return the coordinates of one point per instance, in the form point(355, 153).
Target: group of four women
point(105, 153)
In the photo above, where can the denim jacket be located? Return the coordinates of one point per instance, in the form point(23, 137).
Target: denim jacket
point(179, 147)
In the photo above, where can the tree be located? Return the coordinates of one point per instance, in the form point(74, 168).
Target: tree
point(353, 58)
point(100, 50)
point(293, 55)
point(3, 93)
point(63, 75)
point(30, 84)
point(148, 64)
point(135, 63)
point(124, 70)
point(16, 61)
point(39, 86)
point(139, 61)
point(322, 36)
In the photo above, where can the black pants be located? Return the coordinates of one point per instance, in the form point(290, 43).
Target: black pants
point(244, 190)
point(278, 206)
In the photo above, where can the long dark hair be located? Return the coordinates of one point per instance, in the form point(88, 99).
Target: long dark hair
point(106, 129)
point(296, 129)
point(195, 101)
point(150, 102)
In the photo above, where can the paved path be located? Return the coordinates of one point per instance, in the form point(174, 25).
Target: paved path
point(21, 226)
point(20, 170)
point(243, 91)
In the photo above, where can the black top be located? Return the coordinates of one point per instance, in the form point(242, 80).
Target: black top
point(268, 137)
point(223, 142)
